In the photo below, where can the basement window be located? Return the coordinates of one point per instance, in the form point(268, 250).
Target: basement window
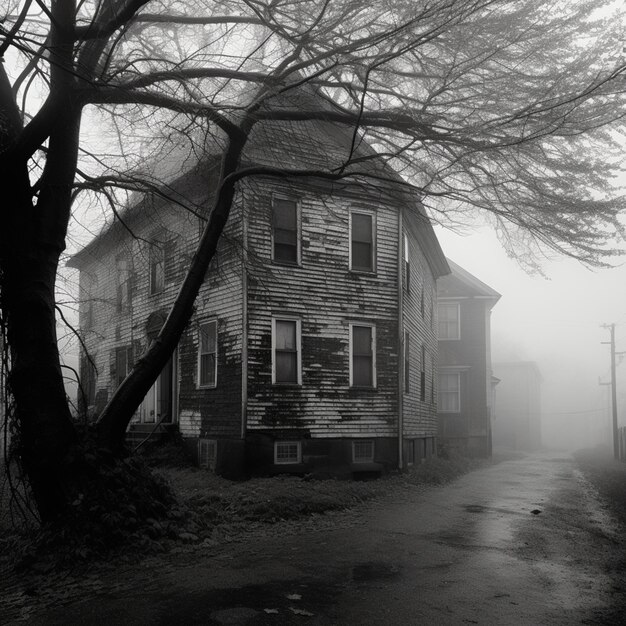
point(207, 453)
point(287, 452)
point(363, 451)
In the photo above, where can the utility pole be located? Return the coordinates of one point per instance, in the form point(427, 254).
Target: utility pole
point(611, 328)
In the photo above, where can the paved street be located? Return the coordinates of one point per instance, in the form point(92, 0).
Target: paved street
point(520, 542)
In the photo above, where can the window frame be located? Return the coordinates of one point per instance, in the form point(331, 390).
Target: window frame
point(362, 459)
point(372, 327)
point(457, 392)
point(457, 308)
point(288, 461)
point(298, 322)
point(298, 205)
point(373, 253)
point(156, 257)
point(200, 384)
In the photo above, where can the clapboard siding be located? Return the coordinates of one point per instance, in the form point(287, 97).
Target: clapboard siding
point(326, 296)
point(419, 416)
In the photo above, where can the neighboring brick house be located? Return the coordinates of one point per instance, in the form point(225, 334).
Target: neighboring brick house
point(517, 423)
point(313, 344)
point(464, 368)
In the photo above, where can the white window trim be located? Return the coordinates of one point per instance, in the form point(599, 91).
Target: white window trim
point(298, 201)
point(350, 353)
point(370, 459)
point(450, 370)
point(458, 320)
point(372, 214)
point(298, 460)
point(212, 385)
point(298, 321)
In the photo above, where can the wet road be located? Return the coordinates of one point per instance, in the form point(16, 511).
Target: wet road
point(521, 542)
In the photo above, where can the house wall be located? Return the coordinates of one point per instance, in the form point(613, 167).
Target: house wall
point(201, 412)
point(419, 415)
point(469, 430)
point(326, 296)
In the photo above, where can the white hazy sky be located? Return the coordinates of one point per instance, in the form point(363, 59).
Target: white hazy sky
point(555, 322)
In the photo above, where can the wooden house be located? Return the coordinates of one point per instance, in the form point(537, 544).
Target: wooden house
point(465, 389)
point(313, 344)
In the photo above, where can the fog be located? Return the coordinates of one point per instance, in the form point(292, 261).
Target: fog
point(555, 322)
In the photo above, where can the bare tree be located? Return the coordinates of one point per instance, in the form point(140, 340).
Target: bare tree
point(507, 107)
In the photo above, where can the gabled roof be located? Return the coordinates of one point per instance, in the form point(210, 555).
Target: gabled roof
point(460, 283)
point(294, 145)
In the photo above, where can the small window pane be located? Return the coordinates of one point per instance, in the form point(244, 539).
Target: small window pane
point(285, 335)
point(207, 369)
point(286, 367)
point(362, 371)
point(361, 340)
point(285, 214)
point(361, 228)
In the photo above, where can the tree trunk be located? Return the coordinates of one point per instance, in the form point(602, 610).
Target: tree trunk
point(46, 433)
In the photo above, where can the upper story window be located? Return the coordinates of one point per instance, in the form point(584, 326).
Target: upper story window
point(286, 351)
point(407, 264)
point(207, 354)
point(285, 235)
point(362, 356)
point(449, 394)
point(449, 320)
point(362, 241)
point(122, 263)
point(156, 269)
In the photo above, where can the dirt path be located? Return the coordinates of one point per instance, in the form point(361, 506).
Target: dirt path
point(521, 542)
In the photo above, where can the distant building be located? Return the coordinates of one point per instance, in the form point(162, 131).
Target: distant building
point(464, 365)
point(517, 423)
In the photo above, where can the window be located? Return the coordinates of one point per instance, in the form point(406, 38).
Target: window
point(407, 264)
point(362, 356)
point(362, 229)
point(207, 453)
point(157, 270)
point(285, 231)
point(449, 392)
point(207, 355)
point(407, 362)
point(123, 284)
point(287, 452)
point(363, 451)
point(423, 375)
point(410, 456)
point(286, 360)
point(449, 327)
point(122, 364)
